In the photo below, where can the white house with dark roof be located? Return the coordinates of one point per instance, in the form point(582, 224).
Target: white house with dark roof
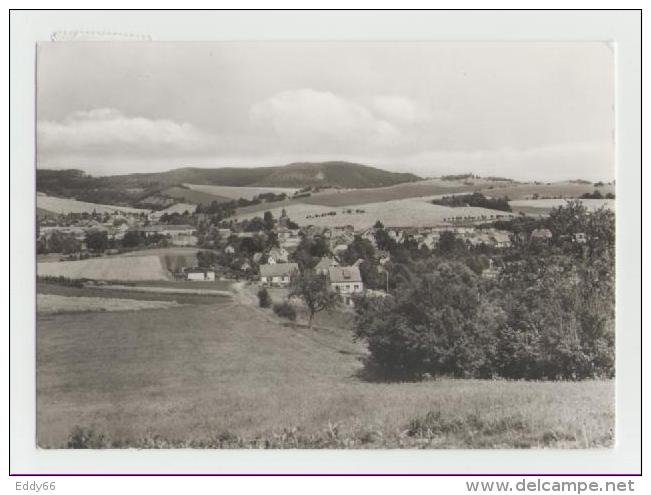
point(279, 274)
point(346, 281)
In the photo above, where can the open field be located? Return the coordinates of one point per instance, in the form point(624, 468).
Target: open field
point(567, 190)
point(52, 303)
point(193, 196)
point(65, 205)
point(434, 187)
point(233, 192)
point(172, 258)
point(351, 197)
point(100, 291)
point(126, 268)
point(231, 375)
point(42, 213)
point(411, 212)
point(135, 266)
point(179, 208)
point(544, 206)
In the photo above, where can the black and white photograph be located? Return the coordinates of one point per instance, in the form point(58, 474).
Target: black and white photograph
point(325, 245)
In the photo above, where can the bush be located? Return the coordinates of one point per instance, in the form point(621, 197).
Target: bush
point(61, 280)
point(87, 438)
point(474, 199)
point(263, 298)
point(285, 310)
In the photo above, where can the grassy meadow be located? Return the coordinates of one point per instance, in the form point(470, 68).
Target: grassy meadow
point(234, 192)
point(127, 268)
point(193, 196)
point(220, 372)
point(544, 206)
point(335, 198)
point(409, 212)
point(53, 204)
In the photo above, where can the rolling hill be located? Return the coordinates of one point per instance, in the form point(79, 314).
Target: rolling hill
point(131, 189)
point(295, 175)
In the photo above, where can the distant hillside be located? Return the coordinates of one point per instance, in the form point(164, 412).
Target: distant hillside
point(133, 188)
point(333, 174)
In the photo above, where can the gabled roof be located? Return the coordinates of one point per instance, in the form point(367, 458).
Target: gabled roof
point(278, 270)
point(344, 274)
point(501, 236)
point(326, 263)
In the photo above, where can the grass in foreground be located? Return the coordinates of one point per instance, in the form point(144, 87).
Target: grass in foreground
point(225, 375)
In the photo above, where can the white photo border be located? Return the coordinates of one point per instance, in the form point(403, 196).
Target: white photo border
point(620, 28)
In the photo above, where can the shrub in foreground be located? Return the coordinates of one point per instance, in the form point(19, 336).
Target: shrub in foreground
point(263, 298)
point(88, 438)
point(285, 310)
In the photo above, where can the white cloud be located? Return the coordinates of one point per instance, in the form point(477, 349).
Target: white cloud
point(398, 108)
point(108, 131)
point(307, 118)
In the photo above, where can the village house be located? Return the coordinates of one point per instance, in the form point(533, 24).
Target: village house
point(279, 274)
point(500, 239)
point(288, 238)
point(229, 249)
point(180, 235)
point(395, 234)
point(198, 275)
point(278, 255)
point(346, 281)
point(324, 263)
point(149, 230)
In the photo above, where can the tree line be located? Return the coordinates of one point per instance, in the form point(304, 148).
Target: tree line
point(475, 199)
point(548, 315)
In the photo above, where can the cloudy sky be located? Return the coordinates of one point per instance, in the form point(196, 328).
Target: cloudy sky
point(522, 110)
